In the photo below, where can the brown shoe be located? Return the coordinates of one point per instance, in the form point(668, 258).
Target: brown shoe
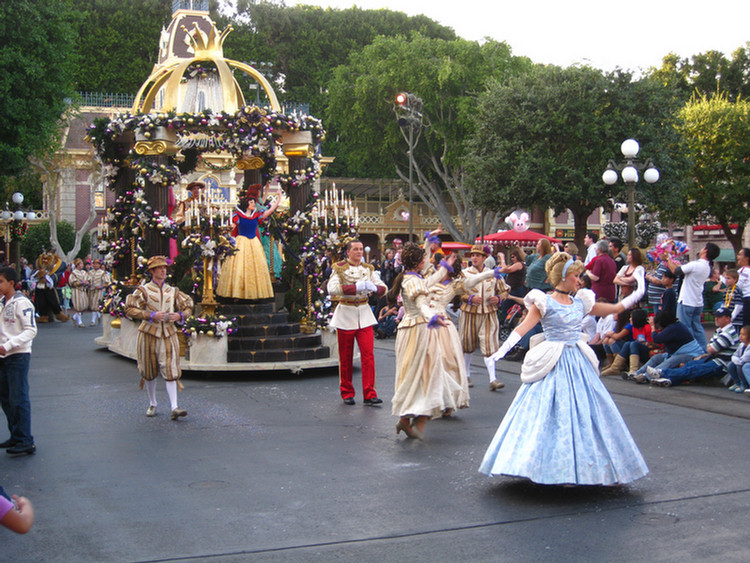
point(62, 317)
point(495, 385)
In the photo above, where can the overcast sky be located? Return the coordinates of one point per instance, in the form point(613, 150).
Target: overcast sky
point(601, 33)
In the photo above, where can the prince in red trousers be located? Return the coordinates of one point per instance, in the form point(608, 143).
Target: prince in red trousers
point(350, 285)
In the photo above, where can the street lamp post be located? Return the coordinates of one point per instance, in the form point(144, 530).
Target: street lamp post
point(16, 219)
point(408, 110)
point(629, 169)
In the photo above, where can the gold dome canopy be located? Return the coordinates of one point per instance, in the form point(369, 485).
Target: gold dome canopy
point(167, 88)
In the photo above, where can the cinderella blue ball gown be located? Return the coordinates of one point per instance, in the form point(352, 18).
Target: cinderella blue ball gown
point(563, 426)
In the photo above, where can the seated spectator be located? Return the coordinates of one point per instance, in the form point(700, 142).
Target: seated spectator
point(388, 319)
point(714, 363)
point(635, 350)
point(739, 368)
point(613, 341)
point(603, 326)
point(678, 342)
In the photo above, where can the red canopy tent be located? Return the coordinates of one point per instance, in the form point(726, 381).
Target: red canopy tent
point(455, 245)
point(513, 238)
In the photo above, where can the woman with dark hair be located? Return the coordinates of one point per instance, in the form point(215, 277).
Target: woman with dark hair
point(423, 387)
point(515, 277)
point(245, 275)
point(632, 276)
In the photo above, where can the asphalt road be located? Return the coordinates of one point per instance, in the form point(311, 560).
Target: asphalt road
point(275, 468)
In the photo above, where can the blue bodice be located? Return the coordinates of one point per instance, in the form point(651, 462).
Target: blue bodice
point(562, 323)
point(248, 228)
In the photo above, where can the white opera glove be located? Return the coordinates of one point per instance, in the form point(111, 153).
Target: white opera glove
point(631, 301)
point(361, 285)
point(511, 341)
point(370, 286)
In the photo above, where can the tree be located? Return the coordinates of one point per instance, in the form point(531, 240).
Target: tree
point(717, 139)
point(117, 43)
point(36, 49)
point(51, 166)
point(36, 241)
point(306, 43)
point(708, 73)
point(446, 75)
point(544, 138)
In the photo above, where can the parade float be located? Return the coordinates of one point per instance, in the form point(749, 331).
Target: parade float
point(190, 122)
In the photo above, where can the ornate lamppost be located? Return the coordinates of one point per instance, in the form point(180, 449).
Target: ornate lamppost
point(14, 227)
point(629, 168)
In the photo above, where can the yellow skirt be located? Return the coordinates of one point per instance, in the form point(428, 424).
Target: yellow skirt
point(244, 275)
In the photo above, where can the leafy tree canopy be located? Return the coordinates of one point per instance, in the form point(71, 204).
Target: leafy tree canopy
point(544, 138)
point(306, 42)
point(717, 138)
point(36, 83)
point(36, 240)
point(117, 43)
point(446, 75)
point(708, 73)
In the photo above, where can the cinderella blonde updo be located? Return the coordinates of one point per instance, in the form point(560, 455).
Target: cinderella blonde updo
point(556, 264)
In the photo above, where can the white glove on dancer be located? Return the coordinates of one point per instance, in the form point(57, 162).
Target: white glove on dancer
point(361, 286)
point(511, 341)
point(631, 301)
point(370, 286)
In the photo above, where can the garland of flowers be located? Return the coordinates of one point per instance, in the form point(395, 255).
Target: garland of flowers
point(304, 263)
point(200, 246)
point(215, 326)
point(251, 131)
point(113, 300)
point(17, 230)
point(215, 167)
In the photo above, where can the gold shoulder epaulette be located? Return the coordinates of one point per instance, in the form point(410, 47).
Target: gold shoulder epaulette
point(340, 267)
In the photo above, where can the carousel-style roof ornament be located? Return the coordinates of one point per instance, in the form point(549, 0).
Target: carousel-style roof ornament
point(203, 80)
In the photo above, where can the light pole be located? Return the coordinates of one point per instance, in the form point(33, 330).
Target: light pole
point(408, 110)
point(14, 227)
point(629, 169)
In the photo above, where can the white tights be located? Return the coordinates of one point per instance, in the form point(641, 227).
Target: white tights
point(171, 391)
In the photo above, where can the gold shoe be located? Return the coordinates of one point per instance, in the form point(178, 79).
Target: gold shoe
point(151, 411)
point(495, 385)
point(178, 412)
point(408, 430)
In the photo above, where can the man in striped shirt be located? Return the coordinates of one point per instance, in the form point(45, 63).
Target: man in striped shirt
point(712, 364)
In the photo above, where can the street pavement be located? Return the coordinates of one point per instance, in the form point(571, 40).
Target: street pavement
point(274, 468)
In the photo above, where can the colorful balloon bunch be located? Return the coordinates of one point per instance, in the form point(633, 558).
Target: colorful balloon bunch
point(667, 249)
